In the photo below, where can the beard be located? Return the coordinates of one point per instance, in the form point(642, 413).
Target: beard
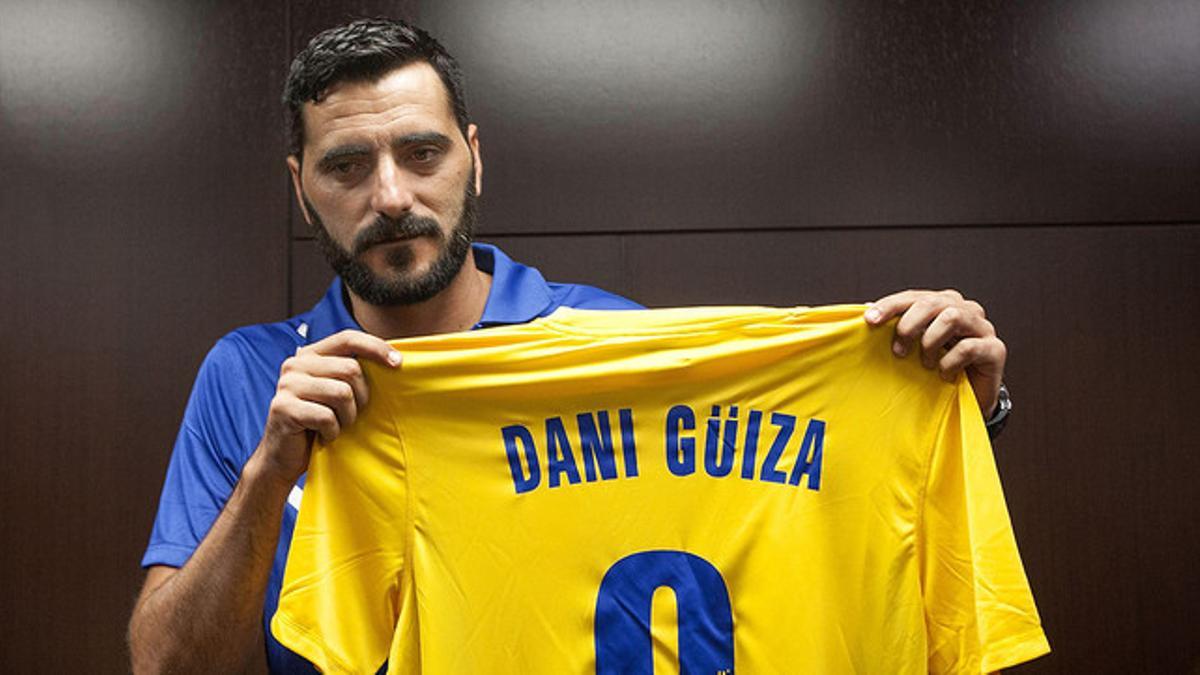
point(399, 285)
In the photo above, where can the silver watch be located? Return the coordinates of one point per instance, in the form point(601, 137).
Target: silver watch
point(1000, 417)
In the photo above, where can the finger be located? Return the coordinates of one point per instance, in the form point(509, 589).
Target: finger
point(951, 324)
point(303, 415)
point(984, 354)
point(914, 321)
point(357, 344)
point(341, 368)
point(333, 394)
point(976, 308)
point(896, 304)
point(891, 306)
point(336, 395)
point(321, 419)
point(983, 360)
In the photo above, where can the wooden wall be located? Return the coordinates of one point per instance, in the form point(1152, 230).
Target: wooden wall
point(1044, 159)
point(144, 203)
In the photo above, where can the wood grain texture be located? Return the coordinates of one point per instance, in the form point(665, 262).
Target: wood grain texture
point(697, 115)
point(1043, 159)
point(144, 209)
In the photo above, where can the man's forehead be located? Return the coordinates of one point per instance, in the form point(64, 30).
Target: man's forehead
point(404, 99)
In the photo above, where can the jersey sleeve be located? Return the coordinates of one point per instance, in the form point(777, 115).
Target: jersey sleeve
point(204, 464)
point(342, 588)
point(980, 614)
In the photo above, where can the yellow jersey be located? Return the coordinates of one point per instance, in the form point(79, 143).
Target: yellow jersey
point(701, 490)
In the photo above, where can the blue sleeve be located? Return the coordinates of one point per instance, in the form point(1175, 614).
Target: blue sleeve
point(222, 424)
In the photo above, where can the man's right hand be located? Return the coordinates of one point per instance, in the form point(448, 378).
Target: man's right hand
point(321, 389)
point(206, 615)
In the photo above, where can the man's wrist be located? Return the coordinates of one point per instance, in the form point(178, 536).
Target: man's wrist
point(995, 423)
point(258, 477)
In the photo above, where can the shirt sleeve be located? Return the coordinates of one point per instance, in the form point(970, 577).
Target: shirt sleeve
point(342, 589)
point(204, 465)
point(980, 614)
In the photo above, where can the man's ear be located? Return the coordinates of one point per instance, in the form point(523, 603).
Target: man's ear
point(293, 163)
point(473, 145)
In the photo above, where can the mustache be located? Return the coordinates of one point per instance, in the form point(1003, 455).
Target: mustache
point(386, 229)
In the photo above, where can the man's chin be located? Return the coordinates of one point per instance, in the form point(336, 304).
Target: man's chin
point(405, 272)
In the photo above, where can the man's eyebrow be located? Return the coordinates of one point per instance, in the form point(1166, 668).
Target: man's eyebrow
point(421, 138)
point(334, 154)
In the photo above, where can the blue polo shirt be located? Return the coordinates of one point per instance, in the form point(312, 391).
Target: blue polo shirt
point(227, 412)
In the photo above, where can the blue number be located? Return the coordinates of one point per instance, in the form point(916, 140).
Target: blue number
point(705, 618)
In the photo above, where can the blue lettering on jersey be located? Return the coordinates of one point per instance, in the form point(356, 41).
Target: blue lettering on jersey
point(809, 459)
point(719, 450)
point(787, 425)
point(521, 482)
point(595, 442)
point(750, 448)
point(681, 452)
point(628, 443)
point(593, 435)
point(559, 458)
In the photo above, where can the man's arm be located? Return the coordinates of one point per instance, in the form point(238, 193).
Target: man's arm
point(205, 616)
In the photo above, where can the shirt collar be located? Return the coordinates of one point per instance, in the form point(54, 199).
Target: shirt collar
point(519, 294)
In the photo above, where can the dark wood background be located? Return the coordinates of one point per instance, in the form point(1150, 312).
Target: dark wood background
point(1042, 157)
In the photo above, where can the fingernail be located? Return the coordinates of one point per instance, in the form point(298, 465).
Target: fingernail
point(394, 357)
point(873, 315)
point(898, 349)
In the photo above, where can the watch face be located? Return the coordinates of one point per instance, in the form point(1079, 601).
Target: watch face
point(1003, 407)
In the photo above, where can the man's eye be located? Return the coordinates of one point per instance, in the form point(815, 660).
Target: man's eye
point(345, 169)
point(425, 155)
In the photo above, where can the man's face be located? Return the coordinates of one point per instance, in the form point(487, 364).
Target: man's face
point(389, 184)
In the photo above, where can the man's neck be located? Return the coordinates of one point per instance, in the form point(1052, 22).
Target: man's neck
point(458, 307)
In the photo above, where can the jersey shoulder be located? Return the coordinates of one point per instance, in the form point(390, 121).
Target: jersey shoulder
point(238, 375)
point(254, 350)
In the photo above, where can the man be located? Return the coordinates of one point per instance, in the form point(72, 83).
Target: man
point(387, 168)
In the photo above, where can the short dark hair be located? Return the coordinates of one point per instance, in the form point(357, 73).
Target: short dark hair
point(364, 50)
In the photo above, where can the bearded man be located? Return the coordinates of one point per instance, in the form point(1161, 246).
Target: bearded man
point(387, 168)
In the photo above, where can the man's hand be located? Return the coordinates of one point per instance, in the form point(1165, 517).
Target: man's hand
point(953, 334)
point(320, 391)
point(206, 616)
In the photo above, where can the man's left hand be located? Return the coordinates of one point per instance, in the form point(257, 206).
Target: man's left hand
point(953, 334)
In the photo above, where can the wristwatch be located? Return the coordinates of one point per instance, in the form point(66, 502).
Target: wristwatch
point(999, 418)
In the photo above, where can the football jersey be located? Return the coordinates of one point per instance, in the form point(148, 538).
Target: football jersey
point(702, 490)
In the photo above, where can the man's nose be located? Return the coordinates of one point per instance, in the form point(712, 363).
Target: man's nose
point(393, 195)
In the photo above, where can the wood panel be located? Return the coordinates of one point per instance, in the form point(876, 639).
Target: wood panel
point(146, 206)
point(144, 210)
point(706, 115)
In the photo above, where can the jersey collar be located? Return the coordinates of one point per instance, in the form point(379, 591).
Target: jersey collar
point(519, 294)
